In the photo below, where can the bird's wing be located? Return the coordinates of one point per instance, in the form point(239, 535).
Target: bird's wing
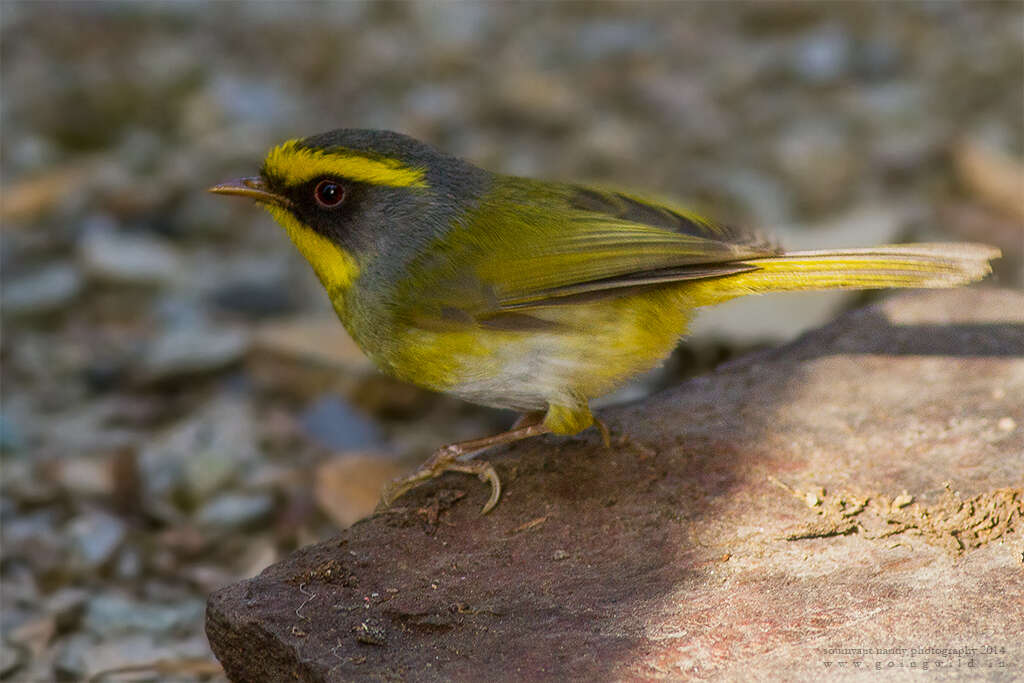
point(532, 245)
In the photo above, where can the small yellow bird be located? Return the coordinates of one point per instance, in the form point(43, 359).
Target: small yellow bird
point(524, 294)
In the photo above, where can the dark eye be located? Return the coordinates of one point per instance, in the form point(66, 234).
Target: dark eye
point(329, 194)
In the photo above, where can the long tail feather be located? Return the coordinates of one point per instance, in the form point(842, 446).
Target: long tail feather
point(937, 265)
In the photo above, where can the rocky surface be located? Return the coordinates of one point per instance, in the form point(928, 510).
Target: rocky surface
point(179, 407)
point(849, 503)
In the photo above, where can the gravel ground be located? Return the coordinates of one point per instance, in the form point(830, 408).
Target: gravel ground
point(167, 426)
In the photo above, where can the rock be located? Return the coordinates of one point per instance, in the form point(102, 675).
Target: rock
point(198, 456)
point(348, 488)
point(823, 56)
point(235, 511)
point(320, 342)
point(11, 659)
point(190, 350)
point(45, 290)
point(70, 664)
point(35, 634)
point(34, 539)
point(66, 606)
point(335, 425)
point(95, 538)
point(84, 475)
point(142, 657)
point(993, 175)
point(128, 258)
point(689, 545)
point(819, 162)
point(254, 298)
point(115, 615)
point(129, 565)
point(10, 436)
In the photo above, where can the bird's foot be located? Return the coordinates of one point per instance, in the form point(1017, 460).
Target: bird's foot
point(444, 460)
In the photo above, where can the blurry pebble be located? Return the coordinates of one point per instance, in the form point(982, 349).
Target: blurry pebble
point(235, 511)
point(66, 606)
point(23, 483)
point(95, 537)
point(761, 194)
point(255, 299)
point(878, 57)
point(1007, 424)
point(258, 556)
point(129, 564)
point(35, 634)
point(335, 425)
point(30, 153)
point(823, 56)
point(125, 258)
point(317, 341)
point(70, 663)
point(192, 350)
point(819, 162)
point(200, 454)
point(43, 290)
point(348, 488)
point(143, 650)
point(604, 39)
point(112, 614)
point(84, 475)
point(34, 539)
point(208, 577)
point(11, 659)
point(10, 437)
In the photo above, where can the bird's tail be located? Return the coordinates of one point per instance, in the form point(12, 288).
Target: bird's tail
point(937, 265)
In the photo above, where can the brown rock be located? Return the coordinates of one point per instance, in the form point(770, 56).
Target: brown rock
point(819, 508)
point(348, 487)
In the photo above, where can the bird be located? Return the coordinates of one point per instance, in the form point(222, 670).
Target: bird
point(525, 294)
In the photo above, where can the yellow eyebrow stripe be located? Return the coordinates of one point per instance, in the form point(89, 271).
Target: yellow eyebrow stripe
point(295, 164)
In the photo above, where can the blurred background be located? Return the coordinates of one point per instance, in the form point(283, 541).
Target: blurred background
point(179, 407)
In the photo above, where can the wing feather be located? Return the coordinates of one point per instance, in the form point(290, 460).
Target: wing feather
point(532, 244)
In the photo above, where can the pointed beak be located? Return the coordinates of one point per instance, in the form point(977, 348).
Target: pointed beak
point(253, 188)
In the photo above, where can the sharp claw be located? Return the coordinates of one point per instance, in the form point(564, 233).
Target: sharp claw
point(489, 474)
point(485, 471)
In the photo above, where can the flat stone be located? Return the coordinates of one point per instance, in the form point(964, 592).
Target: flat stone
point(319, 341)
point(236, 511)
point(11, 659)
point(94, 538)
point(113, 614)
point(44, 290)
point(141, 657)
point(198, 456)
point(128, 258)
point(336, 425)
point(188, 351)
point(348, 487)
point(818, 508)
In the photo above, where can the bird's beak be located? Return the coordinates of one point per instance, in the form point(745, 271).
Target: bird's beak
point(253, 188)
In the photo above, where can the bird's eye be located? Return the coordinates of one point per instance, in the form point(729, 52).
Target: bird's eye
point(329, 194)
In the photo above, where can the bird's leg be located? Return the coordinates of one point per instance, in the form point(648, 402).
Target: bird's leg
point(606, 435)
point(446, 459)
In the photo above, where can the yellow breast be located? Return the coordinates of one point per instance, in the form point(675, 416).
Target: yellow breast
point(593, 350)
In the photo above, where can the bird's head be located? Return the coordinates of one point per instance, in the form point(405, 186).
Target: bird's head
point(349, 196)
